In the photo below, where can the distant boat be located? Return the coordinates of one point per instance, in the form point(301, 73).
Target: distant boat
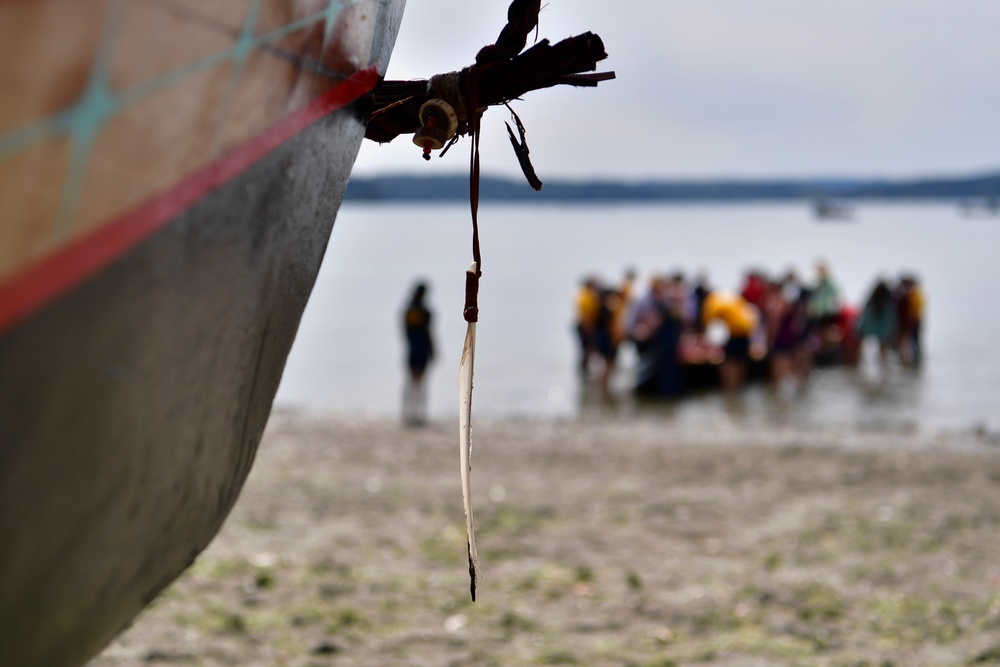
point(830, 210)
point(170, 172)
point(986, 207)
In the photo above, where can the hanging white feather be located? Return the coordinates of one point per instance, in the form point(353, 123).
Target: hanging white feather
point(465, 372)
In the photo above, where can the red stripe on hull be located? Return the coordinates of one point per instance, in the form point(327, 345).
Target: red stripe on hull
point(41, 283)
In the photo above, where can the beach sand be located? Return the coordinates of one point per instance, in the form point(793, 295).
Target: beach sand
point(602, 541)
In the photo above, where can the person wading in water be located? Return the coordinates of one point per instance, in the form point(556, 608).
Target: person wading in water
point(420, 352)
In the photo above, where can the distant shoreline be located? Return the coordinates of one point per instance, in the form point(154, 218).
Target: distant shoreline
point(388, 188)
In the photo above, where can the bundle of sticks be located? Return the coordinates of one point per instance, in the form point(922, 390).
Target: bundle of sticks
point(501, 73)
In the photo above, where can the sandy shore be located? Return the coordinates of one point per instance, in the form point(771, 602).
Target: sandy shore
point(602, 542)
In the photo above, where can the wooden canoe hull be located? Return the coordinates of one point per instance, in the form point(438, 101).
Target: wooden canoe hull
point(137, 375)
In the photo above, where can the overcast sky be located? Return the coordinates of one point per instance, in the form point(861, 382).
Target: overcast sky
point(723, 88)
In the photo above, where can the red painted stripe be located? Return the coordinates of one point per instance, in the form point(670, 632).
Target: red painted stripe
point(42, 282)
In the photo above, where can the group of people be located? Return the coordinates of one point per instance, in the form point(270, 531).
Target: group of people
point(687, 334)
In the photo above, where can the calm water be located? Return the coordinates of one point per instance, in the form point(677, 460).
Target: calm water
point(348, 356)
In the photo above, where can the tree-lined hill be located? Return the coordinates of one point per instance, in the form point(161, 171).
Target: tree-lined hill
point(448, 188)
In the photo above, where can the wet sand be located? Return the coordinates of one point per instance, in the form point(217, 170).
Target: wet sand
point(603, 541)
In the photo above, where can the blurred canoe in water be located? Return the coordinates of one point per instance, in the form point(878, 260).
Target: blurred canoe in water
point(170, 171)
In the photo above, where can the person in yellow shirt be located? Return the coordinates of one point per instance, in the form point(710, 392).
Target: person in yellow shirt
point(741, 319)
point(913, 303)
point(623, 308)
point(588, 311)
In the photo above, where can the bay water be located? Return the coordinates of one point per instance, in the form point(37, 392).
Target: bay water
point(349, 357)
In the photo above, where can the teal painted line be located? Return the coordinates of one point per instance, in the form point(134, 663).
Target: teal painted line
point(87, 119)
point(36, 132)
point(83, 144)
point(67, 121)
point(333, 10)
point(151, 86)
point(144, 89)
point(289, 28)
point(330, 15)
point(244, 46)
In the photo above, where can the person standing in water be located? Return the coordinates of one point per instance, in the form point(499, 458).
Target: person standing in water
point(588, 312)
point(420, 352)
point(741, 318)
point(878, 319)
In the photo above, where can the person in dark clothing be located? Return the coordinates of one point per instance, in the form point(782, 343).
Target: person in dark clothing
point(878, 319)
point(656, 331)
point(420, 352)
